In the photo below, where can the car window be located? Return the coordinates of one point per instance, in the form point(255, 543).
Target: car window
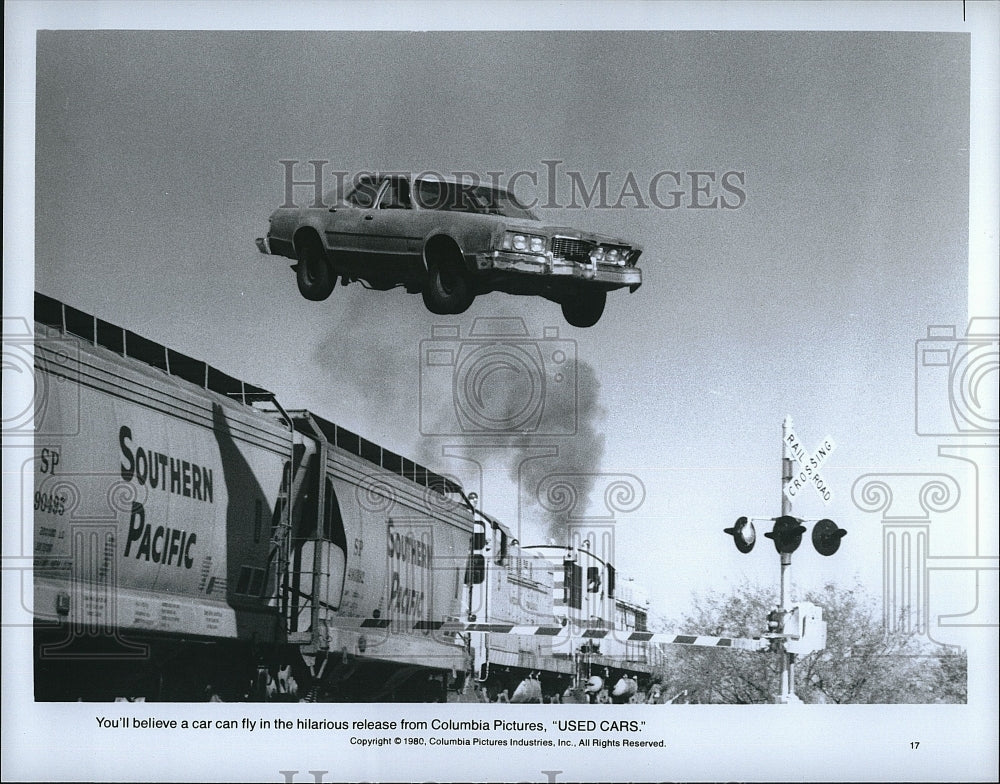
point(453, 197)
point(446, 196)
point(497, 202)
point(432, 195)
point(396, 196)
point(364, 194)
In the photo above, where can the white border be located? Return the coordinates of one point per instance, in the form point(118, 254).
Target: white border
point(43, 742)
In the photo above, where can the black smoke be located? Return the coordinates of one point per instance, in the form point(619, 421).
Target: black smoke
point(374, 348)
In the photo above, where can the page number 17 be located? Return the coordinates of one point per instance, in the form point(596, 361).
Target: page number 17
point(914, 744)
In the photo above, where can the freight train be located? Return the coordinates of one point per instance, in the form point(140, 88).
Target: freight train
point(194, 540)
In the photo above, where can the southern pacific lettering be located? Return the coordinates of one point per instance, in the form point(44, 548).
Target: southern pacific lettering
point(162, 545)
point(410, 558)
point(157, 469)
point(408, 548)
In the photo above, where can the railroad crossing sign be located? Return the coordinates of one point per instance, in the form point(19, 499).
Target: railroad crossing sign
point(809, 465)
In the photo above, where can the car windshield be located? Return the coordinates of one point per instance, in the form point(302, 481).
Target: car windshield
point(463, 197)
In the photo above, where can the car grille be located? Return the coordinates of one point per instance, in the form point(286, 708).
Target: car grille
point(571, 250)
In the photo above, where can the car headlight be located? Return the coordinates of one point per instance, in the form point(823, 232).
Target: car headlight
point(523, 243)
point(610, 255)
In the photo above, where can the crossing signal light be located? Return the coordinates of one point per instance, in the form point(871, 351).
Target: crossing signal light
point(787, 534)
point(743, 534)
point(826, 537)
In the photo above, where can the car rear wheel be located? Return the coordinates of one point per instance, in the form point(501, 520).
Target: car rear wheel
point(584, 308)
point(315, 278)
point(447, 289)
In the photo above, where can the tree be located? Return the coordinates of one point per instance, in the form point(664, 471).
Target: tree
point(862, 663)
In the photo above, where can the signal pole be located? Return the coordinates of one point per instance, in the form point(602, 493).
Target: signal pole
point(793, 628)
point(787, 659)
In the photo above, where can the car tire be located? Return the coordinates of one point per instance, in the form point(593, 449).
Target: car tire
point(315, 278)
point(447, 289)
point(584, 308)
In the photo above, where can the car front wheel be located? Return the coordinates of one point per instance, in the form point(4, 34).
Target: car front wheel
point(313, 273)
point(447, 289)
point(584, 308)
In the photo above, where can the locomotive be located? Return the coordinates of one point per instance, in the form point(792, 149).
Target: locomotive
point(194, 540)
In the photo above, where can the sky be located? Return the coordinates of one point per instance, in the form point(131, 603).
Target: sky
point(158, 163)
point(148, 161)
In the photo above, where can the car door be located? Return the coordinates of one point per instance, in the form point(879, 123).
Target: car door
point(348, 226)
point(392, 236)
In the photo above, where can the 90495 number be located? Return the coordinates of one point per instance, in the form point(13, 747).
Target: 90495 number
point(50, 503)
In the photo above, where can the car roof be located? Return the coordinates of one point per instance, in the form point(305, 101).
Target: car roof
point(432, 176)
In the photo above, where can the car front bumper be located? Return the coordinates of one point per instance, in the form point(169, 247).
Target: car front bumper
point(264, 245)
point(604, 275)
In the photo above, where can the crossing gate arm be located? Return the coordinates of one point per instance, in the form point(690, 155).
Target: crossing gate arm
point(734, 643)
point(464, 627)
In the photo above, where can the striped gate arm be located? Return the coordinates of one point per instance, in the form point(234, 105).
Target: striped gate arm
point(463, 627)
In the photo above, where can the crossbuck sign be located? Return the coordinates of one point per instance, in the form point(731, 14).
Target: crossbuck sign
point(809, 465)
